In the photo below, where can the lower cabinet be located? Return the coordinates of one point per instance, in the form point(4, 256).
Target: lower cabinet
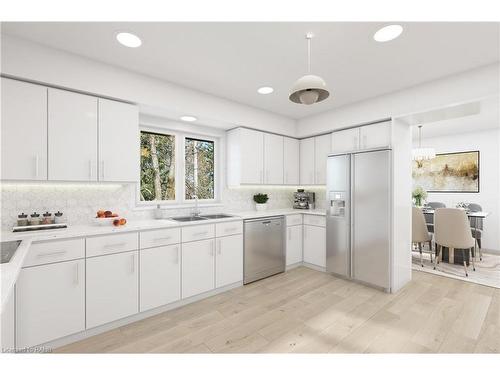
point(315, 245)
point(198, 267)
point(112, 287)
point(8, 321)
point(293, 244)
point(50, 302)
point(229, 260)
point(160, 276)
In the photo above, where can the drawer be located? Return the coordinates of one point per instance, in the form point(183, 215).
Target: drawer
point(112, 243)
point(159, 237)
point(198, 232)
point(228, 229)
point(55, 251)
point(294, 219)
point(317, 220)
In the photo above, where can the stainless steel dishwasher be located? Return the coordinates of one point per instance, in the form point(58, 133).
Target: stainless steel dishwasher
point(264, 248)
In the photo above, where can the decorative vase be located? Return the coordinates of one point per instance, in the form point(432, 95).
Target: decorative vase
point(261, 206)
point(418, 201)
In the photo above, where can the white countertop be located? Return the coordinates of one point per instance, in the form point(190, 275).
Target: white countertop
point(10, 271)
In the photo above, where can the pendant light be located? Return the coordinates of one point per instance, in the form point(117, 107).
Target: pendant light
point(309, 89)
point(422, 153)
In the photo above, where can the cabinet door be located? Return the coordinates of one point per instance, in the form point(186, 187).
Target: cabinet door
point(376, 135)
point(293, 244)
point(8, 321)
point(315, 245)
point(118, 141)
point(291, 160)
point(160, 276)
point(252, 156)
point(112, 287)
point(345, 140)
point(273, 159)
point(198, 267)
point(322, 147)
point(24, 131)
point(72, 136)
point(307, 161)
point(50, 302)
point(229, 260)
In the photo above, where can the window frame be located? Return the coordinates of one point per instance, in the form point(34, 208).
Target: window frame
point(180, 183)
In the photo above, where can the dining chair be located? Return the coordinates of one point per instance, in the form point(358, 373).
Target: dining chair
point(476, 224)
point(429, 218)
point(452, 230)
point(419, 233)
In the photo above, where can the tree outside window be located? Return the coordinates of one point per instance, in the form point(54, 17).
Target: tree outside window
point(199, 169)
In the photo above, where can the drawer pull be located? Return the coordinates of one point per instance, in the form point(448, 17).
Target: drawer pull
point(113, 245)
point(200, 233)
point(162, 238)
point(53, 253)
point(230, 229)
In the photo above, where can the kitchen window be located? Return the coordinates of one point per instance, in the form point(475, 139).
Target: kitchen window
point(176, 167)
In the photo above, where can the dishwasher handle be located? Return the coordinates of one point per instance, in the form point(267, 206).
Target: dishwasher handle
point(265, 219)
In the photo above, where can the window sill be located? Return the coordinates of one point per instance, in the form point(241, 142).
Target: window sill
point(174, 206)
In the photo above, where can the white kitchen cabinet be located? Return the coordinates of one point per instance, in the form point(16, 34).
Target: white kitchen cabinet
point(345, 140)
point(229, 260)
point(24, 131)
point(50, 302)
point(273, 159)
point(198, 267)
point(112, 287)
point(307, 158)
point(8, 321)
point(72, 136)
point(160, 276)
point(375, 136)
point(293, 244)
point(315, 245)
point(118, 141)
point(291, 161)
point(322, 147)
point(245, 157)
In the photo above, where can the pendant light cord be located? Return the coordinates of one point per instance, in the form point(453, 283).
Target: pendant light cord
point(420, 136)
point(308, 55)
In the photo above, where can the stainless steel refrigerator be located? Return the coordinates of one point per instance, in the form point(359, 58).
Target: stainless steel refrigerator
point(358, 224)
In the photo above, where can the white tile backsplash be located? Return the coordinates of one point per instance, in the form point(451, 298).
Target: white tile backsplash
point(80, 202)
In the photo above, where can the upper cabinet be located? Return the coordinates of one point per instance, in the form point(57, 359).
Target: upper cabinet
point(118, 141)
point(24, 131)
point(72, 136)
point(322, 147)
point(307, 158)
point(291, 161)
point(59, 135)
point(245, 157)
point(273, 159)
point(362, 138)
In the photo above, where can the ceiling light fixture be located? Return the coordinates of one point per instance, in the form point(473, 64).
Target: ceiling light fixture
point(265, 90)
point(420, 153)
point(129, 40)
point(309, 89)
point(388, 33)
point(188, 118)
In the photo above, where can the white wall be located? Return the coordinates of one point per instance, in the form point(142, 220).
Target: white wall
point(487, 142)
point(464, 87)
point(23, 59)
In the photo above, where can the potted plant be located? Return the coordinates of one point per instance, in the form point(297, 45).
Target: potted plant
point(260, 201)
point(419, 195)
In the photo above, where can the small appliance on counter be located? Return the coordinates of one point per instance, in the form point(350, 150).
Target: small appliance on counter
point(303, 199)
point(34, 222)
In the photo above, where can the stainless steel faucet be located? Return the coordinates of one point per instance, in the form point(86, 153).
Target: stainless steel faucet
point(196, 211)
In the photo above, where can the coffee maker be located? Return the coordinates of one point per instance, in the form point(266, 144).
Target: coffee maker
point(303, 199)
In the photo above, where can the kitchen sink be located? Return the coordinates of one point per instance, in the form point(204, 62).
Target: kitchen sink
point(7, 250)
point(217, 216)
point(188, 218)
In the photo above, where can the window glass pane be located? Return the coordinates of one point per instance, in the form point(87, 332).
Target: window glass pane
point(157, 167)
point(199, 173)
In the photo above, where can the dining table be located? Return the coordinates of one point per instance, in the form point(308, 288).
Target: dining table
point(471, 215)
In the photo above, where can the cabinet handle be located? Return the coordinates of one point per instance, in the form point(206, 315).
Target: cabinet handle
point(230, 229)
point(289, 234)
point(90, 169)
point(113, 245)
point(220, 247)
point(132, 270)
point(53, 253)
point(102, 169)
point(200, 233)
point(77, 276)
point(162, 238)
point(36, 166)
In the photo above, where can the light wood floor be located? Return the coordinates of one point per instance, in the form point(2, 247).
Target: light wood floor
point(307, 311)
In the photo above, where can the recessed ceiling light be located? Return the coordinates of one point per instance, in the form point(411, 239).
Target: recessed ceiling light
point(129, 40)
point(265, 90)
point(388, 33)
point(188, 118)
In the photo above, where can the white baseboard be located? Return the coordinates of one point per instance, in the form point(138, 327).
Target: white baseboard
point(314, 267)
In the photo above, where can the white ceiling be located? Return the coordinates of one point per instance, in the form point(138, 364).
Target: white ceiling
point(232, 60)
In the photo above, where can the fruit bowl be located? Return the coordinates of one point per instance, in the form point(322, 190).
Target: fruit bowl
point(105, 220)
